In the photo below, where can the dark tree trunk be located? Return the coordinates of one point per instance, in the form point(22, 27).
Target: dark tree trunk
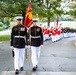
point(48, 21)
point(23, 15)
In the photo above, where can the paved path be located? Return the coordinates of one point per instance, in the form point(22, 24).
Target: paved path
point(37, 73)
point(55, 57)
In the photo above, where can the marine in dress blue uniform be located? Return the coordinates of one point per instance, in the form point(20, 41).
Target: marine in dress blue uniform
point(36, 42)
point(18, 34)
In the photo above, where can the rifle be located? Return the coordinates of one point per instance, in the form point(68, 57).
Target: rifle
point(13, 53)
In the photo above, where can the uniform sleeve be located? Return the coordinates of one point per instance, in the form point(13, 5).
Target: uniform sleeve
point(12, 35)
point(41, 36)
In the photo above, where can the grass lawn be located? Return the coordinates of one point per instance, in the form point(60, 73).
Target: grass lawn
point(4, 37)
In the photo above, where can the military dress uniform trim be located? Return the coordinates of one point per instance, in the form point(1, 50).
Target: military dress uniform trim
point(19, 36)
point(18, 41)
point(35, 36)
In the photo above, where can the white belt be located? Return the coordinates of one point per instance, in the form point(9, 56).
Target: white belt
point(35, 36)
point(19, 36)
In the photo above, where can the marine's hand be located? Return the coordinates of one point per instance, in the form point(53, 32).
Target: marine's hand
point(41, 46)
point(12, 47)
point(27, 46)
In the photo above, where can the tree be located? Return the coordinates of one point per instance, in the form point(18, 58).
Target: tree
point(49, 9)
point(73, 9)
point(12, 8)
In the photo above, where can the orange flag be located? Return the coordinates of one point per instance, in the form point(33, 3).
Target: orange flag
point(28, 16)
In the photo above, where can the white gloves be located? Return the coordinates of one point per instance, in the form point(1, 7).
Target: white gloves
point(41, 46)
point(27, 46)
point(12, 47)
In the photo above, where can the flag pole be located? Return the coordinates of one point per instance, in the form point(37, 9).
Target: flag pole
point(29, 51)
point(28, 23)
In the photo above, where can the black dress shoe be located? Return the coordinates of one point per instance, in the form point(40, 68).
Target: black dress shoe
point(21, 68)
point(17, 71)
point(34, 69)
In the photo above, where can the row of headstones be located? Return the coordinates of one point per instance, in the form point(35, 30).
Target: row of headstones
point(5, 32)
point(69, 34)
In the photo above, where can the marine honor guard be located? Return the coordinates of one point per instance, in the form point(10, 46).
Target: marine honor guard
point(36, 35)
point(18, 34)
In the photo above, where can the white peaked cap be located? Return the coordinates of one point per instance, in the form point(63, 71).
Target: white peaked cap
point(19, 17)
point(35, 19)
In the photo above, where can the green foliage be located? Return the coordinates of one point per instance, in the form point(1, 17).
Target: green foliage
point(73, 13)
point(52, 8)
point(12, 8)
point(72, 6)
point(15, 7)
point(4, 26)
point(4, 37)
point(1, 26)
